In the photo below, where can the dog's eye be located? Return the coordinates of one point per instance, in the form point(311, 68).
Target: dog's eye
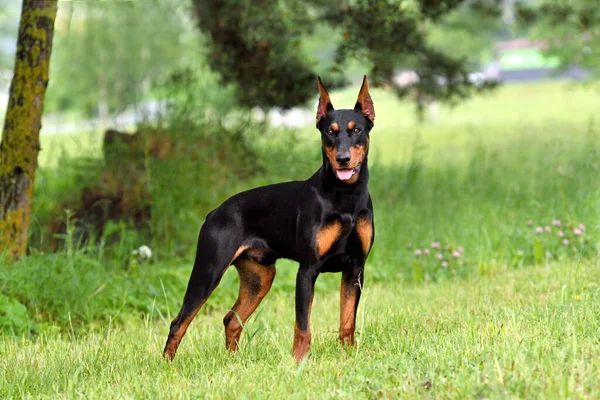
point(356, 131)
point(329, 131)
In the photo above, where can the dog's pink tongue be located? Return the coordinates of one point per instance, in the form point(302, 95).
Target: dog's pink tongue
point(344, 174)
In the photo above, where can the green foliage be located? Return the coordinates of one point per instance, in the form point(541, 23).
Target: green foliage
point(59, 189)
point(202, 143)
point(475, 30)
point(436, 261)
point(112, 53)
point(571, 28)
point(72, 290)
point(549, 241)
point(392, 35)
point(258, 46)
point(13, 316)
point(195, 96)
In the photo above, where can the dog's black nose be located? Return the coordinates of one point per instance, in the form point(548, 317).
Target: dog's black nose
point(343, 158)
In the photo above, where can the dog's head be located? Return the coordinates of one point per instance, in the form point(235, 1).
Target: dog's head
point(345, 133)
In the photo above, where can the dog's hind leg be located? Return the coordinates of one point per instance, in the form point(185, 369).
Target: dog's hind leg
point(212, 260)
point(255, 283)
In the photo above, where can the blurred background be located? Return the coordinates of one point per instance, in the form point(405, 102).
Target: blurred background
point(484, 156)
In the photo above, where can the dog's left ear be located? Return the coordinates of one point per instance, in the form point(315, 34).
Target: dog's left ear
point(324, 101)
point(364, 103)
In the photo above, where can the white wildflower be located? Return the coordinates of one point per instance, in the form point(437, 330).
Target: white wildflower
point(144, 252)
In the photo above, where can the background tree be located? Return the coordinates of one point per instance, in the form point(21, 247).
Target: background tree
point(109, 55)
point(569, 28)
point(257, 45)
point(20, 137)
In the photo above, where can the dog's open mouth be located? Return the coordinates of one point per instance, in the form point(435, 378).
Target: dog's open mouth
point(347, 174)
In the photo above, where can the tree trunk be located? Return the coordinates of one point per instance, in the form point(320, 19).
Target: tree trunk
point(20, 137)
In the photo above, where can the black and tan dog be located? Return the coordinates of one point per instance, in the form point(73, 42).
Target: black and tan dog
point(325, 223)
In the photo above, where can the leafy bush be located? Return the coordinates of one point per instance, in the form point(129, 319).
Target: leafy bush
point(13, 316)
point(72, 290)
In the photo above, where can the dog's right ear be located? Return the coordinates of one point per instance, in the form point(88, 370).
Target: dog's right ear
point(364, 103)
point(324, 101)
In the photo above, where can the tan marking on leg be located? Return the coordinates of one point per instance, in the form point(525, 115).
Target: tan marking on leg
point(348, 306)
point(302, 339)
point(238, 252)
point(335, 126)
point(175, 340)
point(255, 282)
point(302, 342)
point(351, 125)
point(364, 229)
point(327, 236)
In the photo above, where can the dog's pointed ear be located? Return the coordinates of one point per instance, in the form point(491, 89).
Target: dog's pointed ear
point(324, 101)
point(364, 103)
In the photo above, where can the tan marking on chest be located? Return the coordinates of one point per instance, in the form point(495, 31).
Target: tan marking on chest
point(364, 228)
point(327, 236)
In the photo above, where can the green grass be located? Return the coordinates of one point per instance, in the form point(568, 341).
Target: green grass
point(56, 147)
point(524, 333)
point(515, 316)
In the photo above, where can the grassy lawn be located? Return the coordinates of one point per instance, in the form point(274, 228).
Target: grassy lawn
point(524, 333)
point(515, 315)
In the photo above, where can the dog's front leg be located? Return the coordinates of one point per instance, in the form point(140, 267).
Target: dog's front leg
point(352, 282)
point(305, 289)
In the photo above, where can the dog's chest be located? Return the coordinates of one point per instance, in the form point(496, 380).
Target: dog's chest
point(345, 234)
